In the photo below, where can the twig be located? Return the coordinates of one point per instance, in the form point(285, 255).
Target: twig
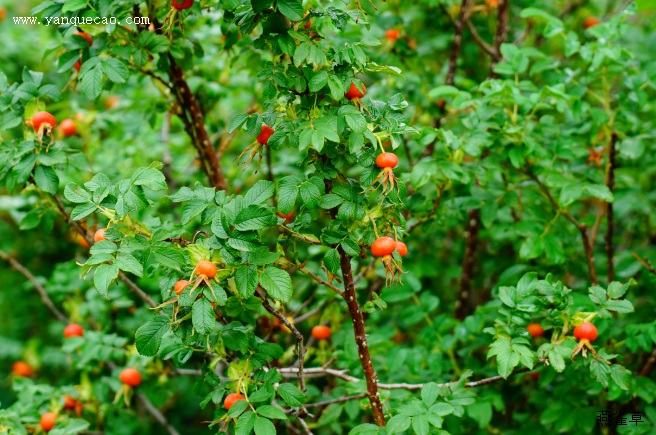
point(300, 347)
point(479, 40)
point(312, 275)
point(583, 229)
point(610, 182)
point(502, 31)
point(156, 413)
point(299, 236)
point(338, 400)
point(37, 285)
point(646, 370)
point(314, 372)
point(645, 263)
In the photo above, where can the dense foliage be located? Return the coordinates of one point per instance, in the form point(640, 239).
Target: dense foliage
point(364, 217)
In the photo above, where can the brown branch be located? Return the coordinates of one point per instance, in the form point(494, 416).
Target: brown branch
point(457, 42)
point(156, 413)
point(37, 285)
point(468, 263)
point(479, 40)
point(645, 263)
point(453, 64)
point(350, 296)
point(194, 121)
point(648, 368)
point(502, 31)
point(300, 346)
point(610, 183)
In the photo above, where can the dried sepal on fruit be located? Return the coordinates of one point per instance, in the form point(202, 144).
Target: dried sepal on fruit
point(586, 333)
point(173, 14)
point(387, 162)
point(384, 247)
point(255, 148)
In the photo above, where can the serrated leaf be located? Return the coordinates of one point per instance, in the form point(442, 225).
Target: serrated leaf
point(91, 82)
point(254, 217)
point(46, 179)
point(104, 276)
point(128, 263)
point(260, 192)
point(149, 336)
point(277, 283)
point(202, 316)
point(291, 394)
point(246, 279)
point(292, 9)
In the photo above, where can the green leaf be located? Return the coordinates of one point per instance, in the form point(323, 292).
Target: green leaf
point(429, 393)
point(420, 424)
point(128, 263)
point(82, 211)
point(169, 257)
point(245, 423)
point(277, 283)
point(115, 70)
point(203, 316)
point(104, 276)
point(46, 179)
point(291, 394)
point(318, 81)
point(264, 427)
point(507, 359)
point(254, 217)
point(556, 360)
point(311, 192)
point(149, 336)
point(619, 306)
point(269, 411)
point(74, 5)
point(76, 194)
point(246, 279)
point(91, 81)
point(621, 376)
point(336, 88)
point(366, 429)
point(398, 424)
point(236, 122)
point(260, 192)
point(292, 9)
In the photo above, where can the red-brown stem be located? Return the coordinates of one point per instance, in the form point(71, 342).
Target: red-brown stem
point(468, 263)
point(194, 121)
point(350, 297)
point(502, 31)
